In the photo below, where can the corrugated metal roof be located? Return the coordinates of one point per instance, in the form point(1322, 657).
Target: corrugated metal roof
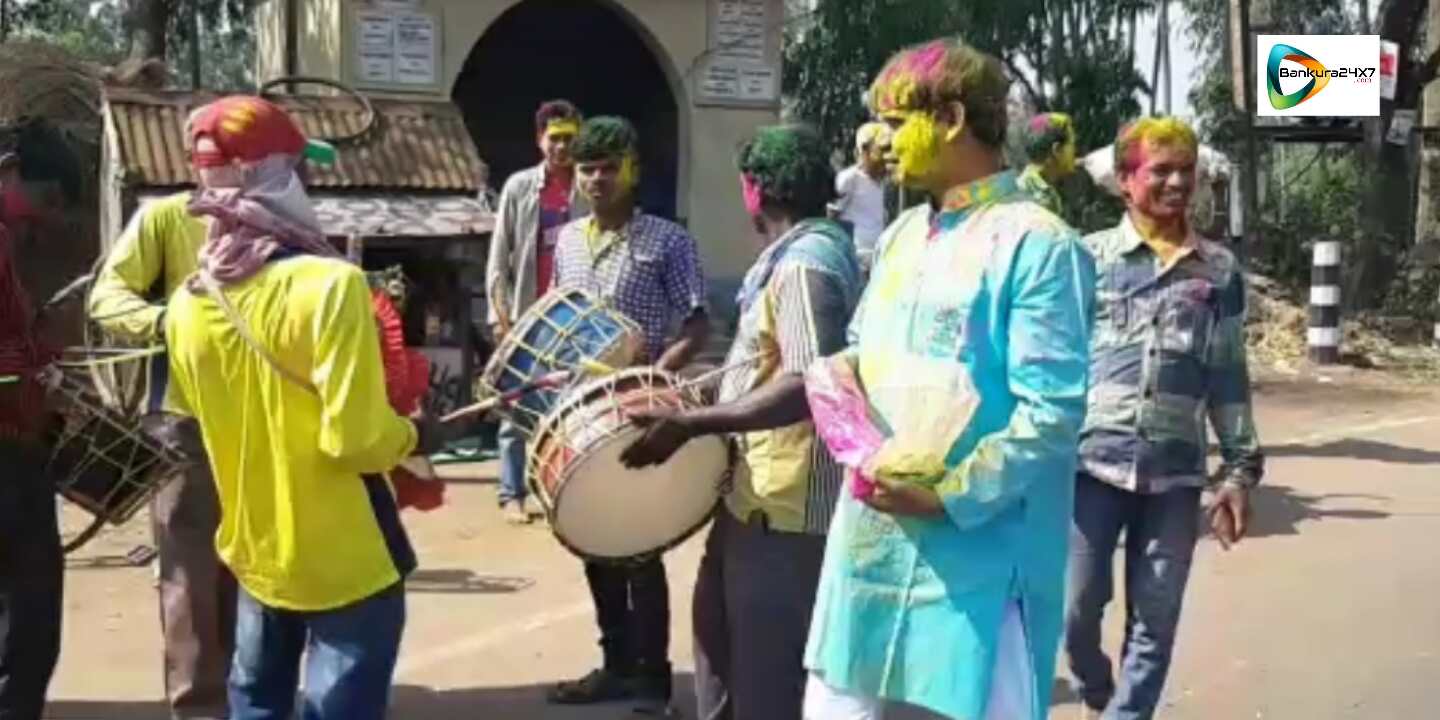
point(415, 146)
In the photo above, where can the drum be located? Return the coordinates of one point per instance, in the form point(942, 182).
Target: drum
point(103, 462)
point(561, 331)
point(599, 509)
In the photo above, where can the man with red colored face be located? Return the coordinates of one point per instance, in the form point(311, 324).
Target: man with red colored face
point(534, 204)
point(36, 170)
point(1167, 353)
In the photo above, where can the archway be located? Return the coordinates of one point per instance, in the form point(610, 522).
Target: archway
point(586, 52)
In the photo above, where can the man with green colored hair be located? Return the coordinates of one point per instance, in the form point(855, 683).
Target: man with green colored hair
point(1049, 142)
point(648, 269)
point(757, 581)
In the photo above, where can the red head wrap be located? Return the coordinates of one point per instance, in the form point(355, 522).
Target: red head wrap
point(244, 128)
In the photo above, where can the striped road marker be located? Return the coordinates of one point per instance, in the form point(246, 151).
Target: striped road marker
point(1323, 337)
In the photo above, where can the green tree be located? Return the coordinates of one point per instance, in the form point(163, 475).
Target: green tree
point(1071, 55)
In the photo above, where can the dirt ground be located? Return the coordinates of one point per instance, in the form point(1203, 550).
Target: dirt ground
point(1327, 611)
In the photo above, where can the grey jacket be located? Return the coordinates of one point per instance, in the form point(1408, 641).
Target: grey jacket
point(510, 274)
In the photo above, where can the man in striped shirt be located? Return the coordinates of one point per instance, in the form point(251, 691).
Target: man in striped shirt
point(757, 581)
point(1167, 352)
point(36, 172)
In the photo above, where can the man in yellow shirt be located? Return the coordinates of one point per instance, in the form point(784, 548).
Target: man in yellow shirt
point(146, 266)
point(274, 349)
point(148, 263)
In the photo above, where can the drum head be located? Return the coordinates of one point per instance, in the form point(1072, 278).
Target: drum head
point(607, 511)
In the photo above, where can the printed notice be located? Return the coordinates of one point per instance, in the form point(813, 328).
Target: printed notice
point(396, 47)
point(741, 68)
point(375, 47)
point(415, 49)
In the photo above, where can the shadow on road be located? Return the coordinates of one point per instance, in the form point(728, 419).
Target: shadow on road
point(1358, 449)
point(414, 702)
point(101, 710)
point(460, 580)
point(1279, 510)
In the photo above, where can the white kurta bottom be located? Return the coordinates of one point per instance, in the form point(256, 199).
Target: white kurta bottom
point(1012, 689)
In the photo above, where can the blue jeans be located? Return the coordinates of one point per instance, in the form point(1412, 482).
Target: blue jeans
point(349, 659)
point(511, 441)
point(1160, 534)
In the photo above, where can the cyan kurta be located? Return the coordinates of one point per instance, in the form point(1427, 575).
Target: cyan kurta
point(995, 293)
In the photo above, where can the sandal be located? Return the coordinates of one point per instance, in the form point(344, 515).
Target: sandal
point(599, 686)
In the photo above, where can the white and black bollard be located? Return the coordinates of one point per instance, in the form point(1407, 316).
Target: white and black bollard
point(1323, 337)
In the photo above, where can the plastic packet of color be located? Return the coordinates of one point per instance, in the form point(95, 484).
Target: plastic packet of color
point(842, 419)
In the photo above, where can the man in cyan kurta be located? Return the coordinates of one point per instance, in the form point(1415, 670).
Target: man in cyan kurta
point(944, 587)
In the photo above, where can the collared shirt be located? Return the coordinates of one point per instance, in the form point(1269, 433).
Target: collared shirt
point(649, 270)
point(22, 398)
point(802, 291)
point(862, 204)
point(1168, 351)
point(1040, 189)
point(511, 273)
point(301, 525)
point(989, 298)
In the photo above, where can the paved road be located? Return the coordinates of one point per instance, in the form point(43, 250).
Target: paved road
point(1329, 611)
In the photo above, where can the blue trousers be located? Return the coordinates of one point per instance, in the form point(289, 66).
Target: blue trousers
point(349, 653)
point(511, 442)
point(1160, 535)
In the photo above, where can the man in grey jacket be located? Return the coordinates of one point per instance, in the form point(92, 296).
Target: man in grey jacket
point(534, 204)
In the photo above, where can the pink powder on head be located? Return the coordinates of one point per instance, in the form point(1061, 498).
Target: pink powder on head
point(926, 60)
point(750, 191)
point(1039, 123)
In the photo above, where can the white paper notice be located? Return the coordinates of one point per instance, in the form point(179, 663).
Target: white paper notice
point(1401, 123)
point(1389, 65)
point(415, 49)
point(396, 47)
point(740, 67)
point(375, 44)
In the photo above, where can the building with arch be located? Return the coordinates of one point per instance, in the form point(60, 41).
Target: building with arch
point(695, 76)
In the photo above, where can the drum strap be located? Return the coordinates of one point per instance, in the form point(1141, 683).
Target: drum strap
point(218, 294)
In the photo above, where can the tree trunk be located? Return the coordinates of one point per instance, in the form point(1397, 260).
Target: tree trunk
point(147, 23)
point(1388, 205)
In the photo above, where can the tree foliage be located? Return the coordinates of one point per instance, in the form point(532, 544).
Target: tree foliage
point(1070, 55)
point(108, 31)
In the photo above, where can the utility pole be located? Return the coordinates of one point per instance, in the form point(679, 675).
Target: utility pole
point(1249, 178)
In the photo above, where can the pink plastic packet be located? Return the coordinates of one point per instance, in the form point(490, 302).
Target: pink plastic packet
point(841, 413)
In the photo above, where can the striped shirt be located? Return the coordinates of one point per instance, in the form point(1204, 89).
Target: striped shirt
point(22, 399)
point(795, 306)
point(1168, 351)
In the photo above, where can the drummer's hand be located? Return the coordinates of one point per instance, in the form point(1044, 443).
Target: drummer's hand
point(497, 332)
point(665, 432)
point(902, 498)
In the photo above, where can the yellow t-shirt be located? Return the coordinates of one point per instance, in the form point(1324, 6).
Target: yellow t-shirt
point(300, 528)
point(149, 262)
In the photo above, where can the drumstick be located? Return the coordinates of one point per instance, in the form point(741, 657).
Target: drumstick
point(712, 375)
point(506, 398)
point(7, 379)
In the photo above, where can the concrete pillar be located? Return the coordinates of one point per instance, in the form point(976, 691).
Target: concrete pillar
point(1323, 336)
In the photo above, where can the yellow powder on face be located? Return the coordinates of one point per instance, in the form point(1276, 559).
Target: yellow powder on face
point(562, 127)
point(629, 175)
point(917, 146)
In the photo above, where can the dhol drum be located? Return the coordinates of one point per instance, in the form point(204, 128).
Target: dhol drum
point(104, 462)
point(598, 508)
point(563, 331)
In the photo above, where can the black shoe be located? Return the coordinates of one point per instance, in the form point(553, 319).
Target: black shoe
point(601, 685)
point(652, 692)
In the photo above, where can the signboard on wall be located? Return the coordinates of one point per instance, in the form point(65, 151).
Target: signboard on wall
point(396, 46)
point(742, 62)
